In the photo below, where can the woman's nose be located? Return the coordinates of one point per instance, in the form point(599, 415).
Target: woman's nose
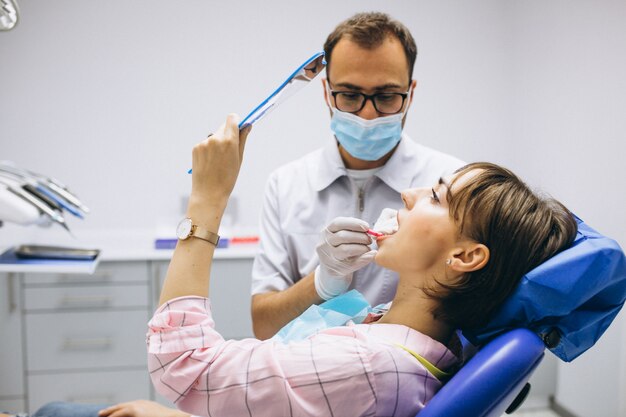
point(410, 196)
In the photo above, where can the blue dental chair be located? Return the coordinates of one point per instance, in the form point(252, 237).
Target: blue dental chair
point(564, 305)
point(494, 381)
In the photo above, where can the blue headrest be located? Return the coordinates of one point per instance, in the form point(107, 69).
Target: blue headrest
point(569, 300)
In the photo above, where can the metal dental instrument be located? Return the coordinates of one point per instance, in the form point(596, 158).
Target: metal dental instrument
point(66, 194)
point(29, 188)
point(41, 191)
point(310, 69)
point(52, 184)
point(20, 192)
point(15, 209)
point(65, 205)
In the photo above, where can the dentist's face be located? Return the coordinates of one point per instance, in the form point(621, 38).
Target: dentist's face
point(356, 69)
point(426, 233)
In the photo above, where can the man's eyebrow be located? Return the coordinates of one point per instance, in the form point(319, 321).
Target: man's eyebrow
point(383, 87)
point(349, 86)
point(388, 86)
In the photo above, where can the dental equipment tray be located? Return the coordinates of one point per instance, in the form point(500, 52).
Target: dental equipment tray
point(55, 252)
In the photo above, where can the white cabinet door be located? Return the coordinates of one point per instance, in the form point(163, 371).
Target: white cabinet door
point(11, 352)
point(73, 341)
point(229, 293)
point(105, 387)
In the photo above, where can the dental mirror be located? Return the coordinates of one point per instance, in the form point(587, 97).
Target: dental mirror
point(298, 79)
point(8, 14)
point(310, 69)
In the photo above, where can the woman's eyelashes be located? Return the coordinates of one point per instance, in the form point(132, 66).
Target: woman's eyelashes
point(435, 197)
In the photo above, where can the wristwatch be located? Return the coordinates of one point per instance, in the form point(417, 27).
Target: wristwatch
point(187, 229)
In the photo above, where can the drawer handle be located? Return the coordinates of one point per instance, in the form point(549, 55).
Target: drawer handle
point(108, 399)
point(86, 301)
point(11, 292)
point(96, 343)
point(98, 276)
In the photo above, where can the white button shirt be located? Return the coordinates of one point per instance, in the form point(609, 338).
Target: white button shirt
point(303, 196)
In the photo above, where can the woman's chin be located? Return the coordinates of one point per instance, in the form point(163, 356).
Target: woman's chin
point(379, 258)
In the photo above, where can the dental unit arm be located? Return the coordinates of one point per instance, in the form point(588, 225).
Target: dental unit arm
point(15, 209)
point(29, 198)
point(9, 14)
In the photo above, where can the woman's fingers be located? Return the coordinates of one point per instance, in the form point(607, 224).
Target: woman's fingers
point(243, 137)
point(108, 411)
point(217, 160)
point(232, 125)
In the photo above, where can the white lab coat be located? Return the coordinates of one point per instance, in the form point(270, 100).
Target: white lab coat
point(303, 196)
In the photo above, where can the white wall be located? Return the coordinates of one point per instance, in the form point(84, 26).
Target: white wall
point(110, 97)
point(568, 137)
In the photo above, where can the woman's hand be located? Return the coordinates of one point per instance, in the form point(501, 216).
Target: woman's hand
point(141, 408)
point(215, 167)
point(215, 164)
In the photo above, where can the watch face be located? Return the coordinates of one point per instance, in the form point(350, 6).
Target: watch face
point(184, 229)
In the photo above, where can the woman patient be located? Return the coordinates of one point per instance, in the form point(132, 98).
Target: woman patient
point(460, 249)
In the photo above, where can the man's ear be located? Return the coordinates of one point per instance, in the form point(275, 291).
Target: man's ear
point(325, 88)
point(468, 257)
point(412, 90)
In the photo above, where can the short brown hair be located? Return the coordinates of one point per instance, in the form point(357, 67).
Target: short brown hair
point(521, 230)
point(369, 30)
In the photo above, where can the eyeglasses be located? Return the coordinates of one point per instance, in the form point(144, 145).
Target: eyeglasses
point(384, 103)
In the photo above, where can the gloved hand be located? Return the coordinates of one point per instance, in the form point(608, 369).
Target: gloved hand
point(343, 249)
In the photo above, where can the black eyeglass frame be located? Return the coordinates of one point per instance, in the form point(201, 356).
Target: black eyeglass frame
point(371, 97)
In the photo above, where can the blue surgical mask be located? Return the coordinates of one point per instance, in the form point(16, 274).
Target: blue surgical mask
point(368, 140)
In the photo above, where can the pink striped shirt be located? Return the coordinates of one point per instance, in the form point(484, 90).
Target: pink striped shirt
point(354, 370)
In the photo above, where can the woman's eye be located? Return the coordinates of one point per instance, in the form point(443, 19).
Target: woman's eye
point(435, 198)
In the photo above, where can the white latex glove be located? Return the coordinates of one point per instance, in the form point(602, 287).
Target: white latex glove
point(343, 249)
point(387, 222)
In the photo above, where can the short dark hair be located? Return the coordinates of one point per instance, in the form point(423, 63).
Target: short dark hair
point(369, 30)
point(521, 229)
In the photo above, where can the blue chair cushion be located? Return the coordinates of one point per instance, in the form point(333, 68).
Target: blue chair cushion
point(569, 300)
point(489, 382)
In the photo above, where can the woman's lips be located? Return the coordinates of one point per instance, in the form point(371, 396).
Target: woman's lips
point(383, 237)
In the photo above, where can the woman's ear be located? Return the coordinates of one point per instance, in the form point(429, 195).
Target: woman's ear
point(471, 256)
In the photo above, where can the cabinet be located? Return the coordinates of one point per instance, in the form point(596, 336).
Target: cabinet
point(84, 335)
point(81, 337)
point(12, 392)
point(229, 293)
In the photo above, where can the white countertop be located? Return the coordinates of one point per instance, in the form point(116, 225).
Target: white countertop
point(117, 253)
point(113, 245)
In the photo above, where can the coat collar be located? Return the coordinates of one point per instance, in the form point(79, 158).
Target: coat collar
point(396, 173)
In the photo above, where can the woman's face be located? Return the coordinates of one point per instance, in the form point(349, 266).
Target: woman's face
point(426, 233)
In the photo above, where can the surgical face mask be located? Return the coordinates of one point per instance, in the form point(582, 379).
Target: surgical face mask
point(368, 140)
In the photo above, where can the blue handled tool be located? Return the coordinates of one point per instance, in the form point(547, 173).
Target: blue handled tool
point(298, 79)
